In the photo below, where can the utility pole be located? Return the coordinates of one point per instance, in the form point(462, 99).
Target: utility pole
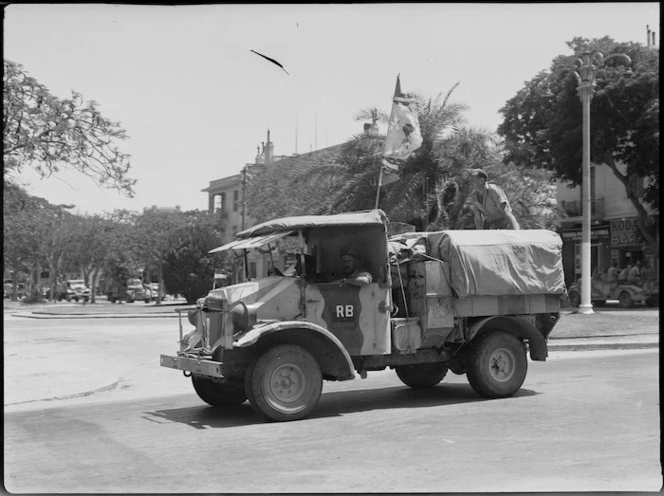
point(244, 217)
point(586, 67)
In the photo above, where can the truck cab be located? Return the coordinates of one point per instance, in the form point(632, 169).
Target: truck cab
point(470, 302)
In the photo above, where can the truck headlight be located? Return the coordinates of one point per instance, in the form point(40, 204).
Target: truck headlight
point(243, 316)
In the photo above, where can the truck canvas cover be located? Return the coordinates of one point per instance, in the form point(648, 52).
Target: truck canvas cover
point(500, 262)
point(365, 218)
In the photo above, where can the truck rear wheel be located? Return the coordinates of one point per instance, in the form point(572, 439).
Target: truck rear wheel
point(285, 383)
point(423, 375)
point(497, 364)
point(216, 394)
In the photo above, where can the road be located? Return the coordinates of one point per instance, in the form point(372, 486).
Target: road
point(584, 421)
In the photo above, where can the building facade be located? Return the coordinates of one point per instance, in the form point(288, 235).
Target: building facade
point(226, 198)
point(615, 236)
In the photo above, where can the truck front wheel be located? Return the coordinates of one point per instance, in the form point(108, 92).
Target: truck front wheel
point(424, 375)
point(285, 383)
point(497, 365)
point(216, 394)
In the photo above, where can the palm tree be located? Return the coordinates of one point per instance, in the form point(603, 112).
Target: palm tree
point(427, 191)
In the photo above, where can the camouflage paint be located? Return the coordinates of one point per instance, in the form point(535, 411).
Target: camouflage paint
point(357, 316)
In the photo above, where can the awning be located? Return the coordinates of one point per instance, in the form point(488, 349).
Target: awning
point(255, 242)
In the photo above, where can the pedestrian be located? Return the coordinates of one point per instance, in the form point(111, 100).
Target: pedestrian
point(634, 274)
point(622, 276)
point(613, 273)
point(489, 203)
point(647, 275)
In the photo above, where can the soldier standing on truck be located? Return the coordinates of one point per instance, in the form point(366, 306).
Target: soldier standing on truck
point(490, 203)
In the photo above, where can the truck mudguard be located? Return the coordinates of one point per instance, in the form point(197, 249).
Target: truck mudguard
point(520, 327)
point(334, 360)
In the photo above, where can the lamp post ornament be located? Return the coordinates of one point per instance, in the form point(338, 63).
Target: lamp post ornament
point(586, 66)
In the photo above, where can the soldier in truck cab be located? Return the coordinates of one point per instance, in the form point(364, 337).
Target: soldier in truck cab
point(353, 274)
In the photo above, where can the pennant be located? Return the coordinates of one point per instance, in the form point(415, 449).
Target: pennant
point(403, 135)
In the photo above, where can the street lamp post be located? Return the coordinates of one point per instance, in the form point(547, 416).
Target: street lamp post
point(587, 64)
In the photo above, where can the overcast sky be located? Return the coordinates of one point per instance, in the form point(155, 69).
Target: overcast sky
point(196, 102)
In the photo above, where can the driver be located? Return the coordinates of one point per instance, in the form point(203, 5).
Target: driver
point(353, 274)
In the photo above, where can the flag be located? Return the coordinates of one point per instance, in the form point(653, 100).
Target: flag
point(403, 135)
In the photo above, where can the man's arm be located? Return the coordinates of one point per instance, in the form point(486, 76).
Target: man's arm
point(510, 217)
point(362, 279)
point(477, 212)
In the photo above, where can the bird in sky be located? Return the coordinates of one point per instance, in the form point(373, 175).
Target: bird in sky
point(270, 59)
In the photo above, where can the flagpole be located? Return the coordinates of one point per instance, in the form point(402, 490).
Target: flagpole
point(380, 182)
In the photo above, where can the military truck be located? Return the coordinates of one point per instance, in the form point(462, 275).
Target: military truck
point(470, 302)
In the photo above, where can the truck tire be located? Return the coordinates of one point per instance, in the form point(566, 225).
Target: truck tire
point(216, 394)
point(497, 364)
point(574, 299)
point(424, 375)
point(625, 299)
point(284, 383)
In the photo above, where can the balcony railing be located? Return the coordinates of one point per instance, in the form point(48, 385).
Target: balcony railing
point(573, 208)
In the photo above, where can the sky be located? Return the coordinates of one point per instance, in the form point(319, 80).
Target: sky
point(196, 102)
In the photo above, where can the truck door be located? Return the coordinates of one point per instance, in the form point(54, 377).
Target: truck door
point(358, 316)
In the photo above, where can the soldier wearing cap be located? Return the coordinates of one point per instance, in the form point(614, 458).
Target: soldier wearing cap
point(352, 272)
point(490, 203)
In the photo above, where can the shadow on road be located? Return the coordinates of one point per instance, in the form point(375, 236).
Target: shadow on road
point(331, 405)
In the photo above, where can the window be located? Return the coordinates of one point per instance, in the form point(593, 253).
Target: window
point(252, 270)
point(236, 200)
point(220, 202)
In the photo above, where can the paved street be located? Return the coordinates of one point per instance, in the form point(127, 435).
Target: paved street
point(584, 420)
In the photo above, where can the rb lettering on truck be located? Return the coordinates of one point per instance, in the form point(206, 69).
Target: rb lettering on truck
point(470, 302)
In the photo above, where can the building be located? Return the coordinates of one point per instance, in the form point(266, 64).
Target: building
point(614, 233)
point(155, 208)
point(225, 195)
point(226, 198)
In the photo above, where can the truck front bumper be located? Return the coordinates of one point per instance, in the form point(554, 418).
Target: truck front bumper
point(197, 366)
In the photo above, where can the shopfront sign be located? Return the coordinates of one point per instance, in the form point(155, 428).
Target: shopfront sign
point(595, 232)
point(625, 232)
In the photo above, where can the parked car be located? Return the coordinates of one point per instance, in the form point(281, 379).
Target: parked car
point(77, 290)
point(9, 289)
point(136, 290)
point(626, 294)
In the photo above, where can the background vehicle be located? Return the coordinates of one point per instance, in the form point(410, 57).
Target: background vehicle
point(8, 289)
point(136, 290)
point(626, 294)
point(77, 290)
point(444, 301)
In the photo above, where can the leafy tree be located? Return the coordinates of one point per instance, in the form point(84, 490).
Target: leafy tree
point(188, 268)
point(281, 192)
point(542, 123)
point(433, 190)
point(47, 133)
point(21, 233)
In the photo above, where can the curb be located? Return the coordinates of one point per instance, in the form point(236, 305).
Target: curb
point(601, 346)
point(36, 315)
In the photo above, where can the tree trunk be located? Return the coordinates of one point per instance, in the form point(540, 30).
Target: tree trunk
point(643, 219)
point(161, 284)
point(93, 290)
